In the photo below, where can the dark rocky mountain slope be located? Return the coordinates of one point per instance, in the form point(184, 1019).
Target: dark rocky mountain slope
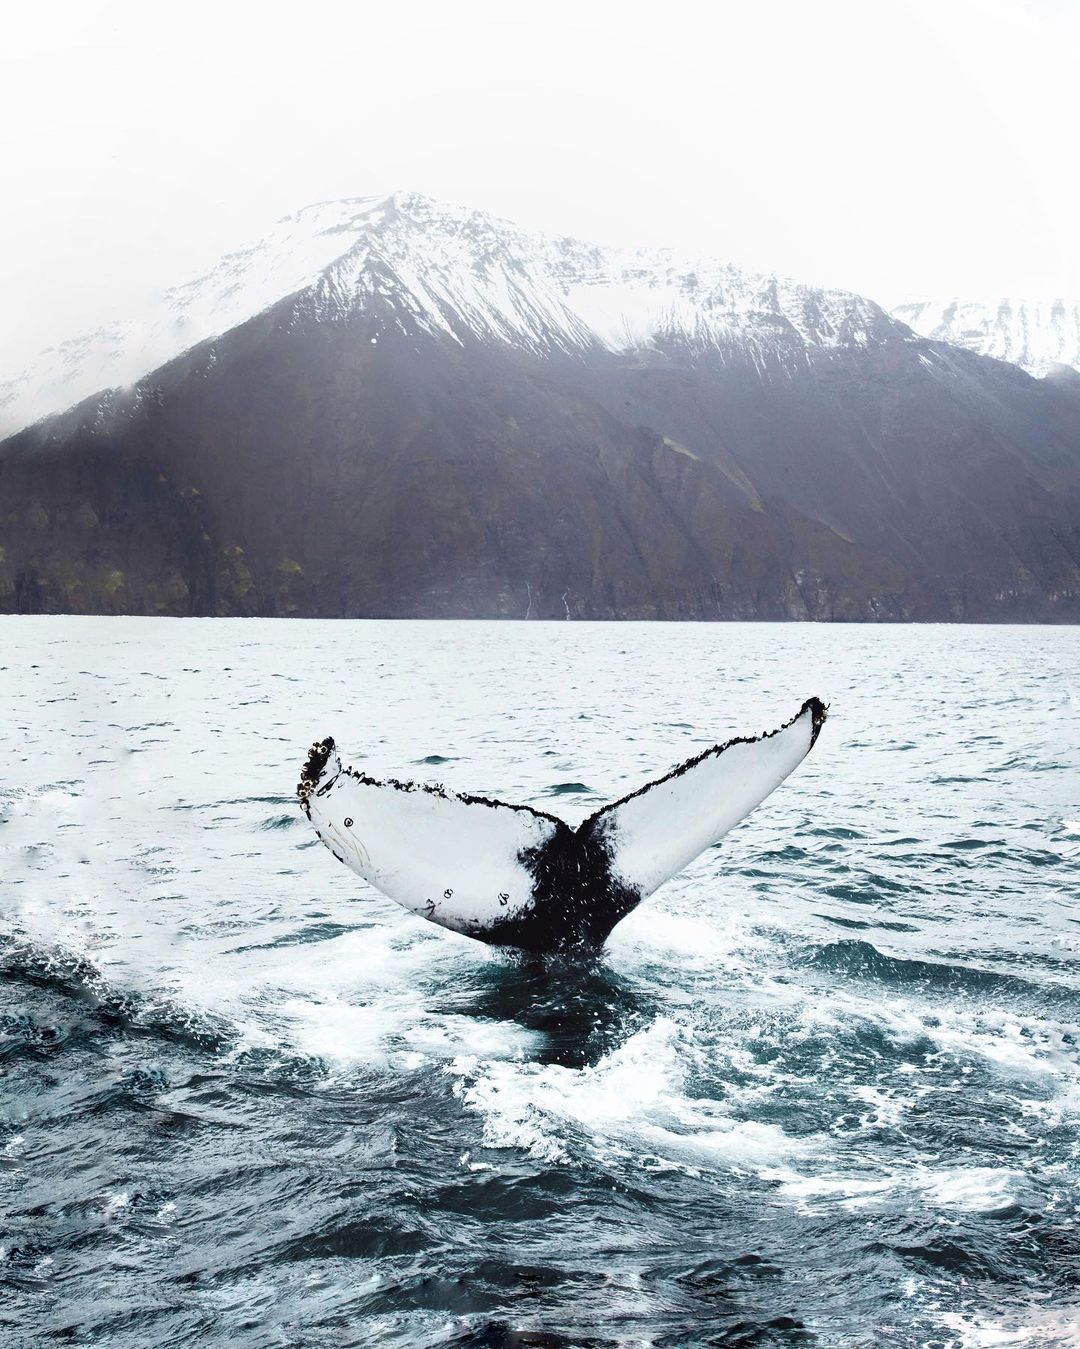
point(454, 418)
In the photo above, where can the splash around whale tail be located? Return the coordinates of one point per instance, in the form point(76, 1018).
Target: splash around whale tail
point(514, 876)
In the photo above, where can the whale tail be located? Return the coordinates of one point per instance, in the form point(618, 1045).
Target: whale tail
point(511, 875)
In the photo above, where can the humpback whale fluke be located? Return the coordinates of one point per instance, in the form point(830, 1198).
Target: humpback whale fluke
point(514, 876)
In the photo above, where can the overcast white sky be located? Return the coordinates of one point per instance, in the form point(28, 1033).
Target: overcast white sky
point(908, 147)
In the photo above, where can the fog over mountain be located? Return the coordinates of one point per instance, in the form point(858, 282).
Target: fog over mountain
point(395, 407)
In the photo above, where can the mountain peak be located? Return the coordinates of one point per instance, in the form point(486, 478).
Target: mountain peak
point(461, 273)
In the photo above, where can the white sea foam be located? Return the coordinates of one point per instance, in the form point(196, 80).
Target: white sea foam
point(394, 1031)
point(958, 1189)
point(629, 1104)
point(1034, 1327)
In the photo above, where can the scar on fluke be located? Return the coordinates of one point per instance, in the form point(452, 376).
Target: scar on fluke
point(512, 875)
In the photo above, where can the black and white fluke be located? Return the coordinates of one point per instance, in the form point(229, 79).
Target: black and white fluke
point(514, 876)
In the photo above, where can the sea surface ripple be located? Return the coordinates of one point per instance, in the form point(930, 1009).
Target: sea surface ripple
point(821, 1089)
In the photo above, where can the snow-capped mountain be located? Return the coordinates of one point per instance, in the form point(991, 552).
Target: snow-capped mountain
point(460, 273)
point(1035, 334)
point(391, 407)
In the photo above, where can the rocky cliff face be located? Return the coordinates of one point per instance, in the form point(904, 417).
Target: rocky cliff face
point(442, 415)
point(1038, 335)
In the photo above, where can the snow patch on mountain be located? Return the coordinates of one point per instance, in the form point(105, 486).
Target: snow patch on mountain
point(1035, 334)
point(463, 275)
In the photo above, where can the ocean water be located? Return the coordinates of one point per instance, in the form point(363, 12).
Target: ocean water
point(821, 1089)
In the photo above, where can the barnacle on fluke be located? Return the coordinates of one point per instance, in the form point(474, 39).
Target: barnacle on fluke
point(511, 875)
point(312, 770)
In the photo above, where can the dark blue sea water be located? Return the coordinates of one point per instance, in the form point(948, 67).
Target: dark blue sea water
point(822, 1089)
